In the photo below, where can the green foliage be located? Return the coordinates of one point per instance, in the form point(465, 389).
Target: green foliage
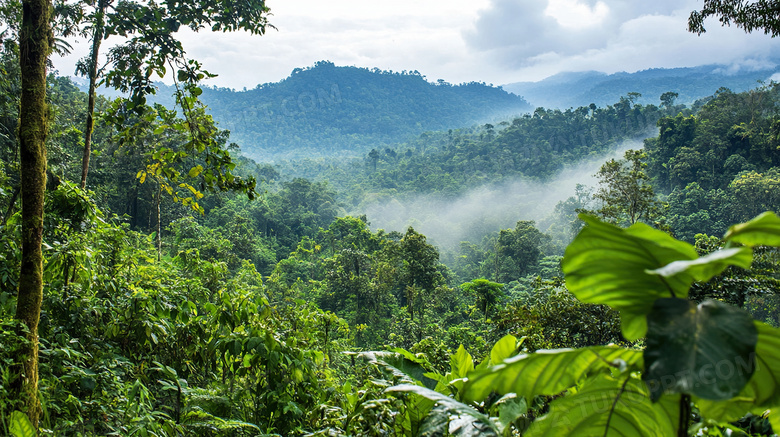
point(719, 165)
point(401, 364)
point(469, 421)
point(547, 372)
point(178, 153)
point(518, 251)
point(20, 425)
point(608, 406)
point(550, 317)
point(487, 293)
point(625, 194)
point(762, 230)
point(607, 264)
point(448, 163)
point(690, 340)
point(711, 354)
point(428, 411)
point(239, 327)
point(748, 15)
point(757, 192)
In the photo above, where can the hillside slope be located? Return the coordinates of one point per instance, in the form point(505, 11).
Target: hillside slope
point(327, 110)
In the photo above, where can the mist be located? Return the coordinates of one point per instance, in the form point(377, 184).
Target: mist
point(488, 208)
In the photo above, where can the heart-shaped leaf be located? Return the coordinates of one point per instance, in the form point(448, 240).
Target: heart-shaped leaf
point(703, 350)
point(609, 265)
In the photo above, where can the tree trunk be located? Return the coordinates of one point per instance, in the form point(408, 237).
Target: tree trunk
point(34, 39)
point(97, 38)
point(159, 226)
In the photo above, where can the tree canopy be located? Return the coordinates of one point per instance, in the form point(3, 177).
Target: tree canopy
point(763, 15)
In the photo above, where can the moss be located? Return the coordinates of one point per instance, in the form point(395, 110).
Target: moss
point(34, 38)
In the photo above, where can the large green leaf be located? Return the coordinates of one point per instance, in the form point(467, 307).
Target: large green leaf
point(467, 420)
point(763, 230)
point(703, 350)
point(461, 363)
point(606, 406)
point(705, 268)
point(545, 372)
point(20, 425)
point(511, 409)
point(465, 426)
point(762, 390)
point(765, 383)
point(417, 418)
point(433, 423)
point(609, 265)
point(503, 349)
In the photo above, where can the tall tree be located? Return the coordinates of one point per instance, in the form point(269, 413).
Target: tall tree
point(98, 25)
point(625, 190)
point(150, 47)
point(487, 293)
point(35, 37)
point(420, 271)
point(518, 250)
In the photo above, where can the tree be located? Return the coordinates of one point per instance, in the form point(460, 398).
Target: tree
point(150, 48)
point(521, 247)
point(565, 223)
point(373, 156)
point(179, 154)
point(625, 192)
point(668, 98)
point(420, 271)
point(35, 36)
point(98, 24)
point(486, 292)
point(748, 15)
point(151, 52)
point(756, 192)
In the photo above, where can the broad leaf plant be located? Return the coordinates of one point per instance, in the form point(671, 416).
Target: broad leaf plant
point(710, 357)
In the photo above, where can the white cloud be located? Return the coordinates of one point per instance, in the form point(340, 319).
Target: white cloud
point(630, 36)
point(576, 15)
point(496, 41)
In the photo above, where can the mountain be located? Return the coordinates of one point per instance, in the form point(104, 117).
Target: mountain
point(326, 110)
point(572, 90)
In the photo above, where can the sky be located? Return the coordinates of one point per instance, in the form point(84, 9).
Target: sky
point(492, 41)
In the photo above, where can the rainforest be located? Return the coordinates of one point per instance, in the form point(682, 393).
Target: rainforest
point(355, 251)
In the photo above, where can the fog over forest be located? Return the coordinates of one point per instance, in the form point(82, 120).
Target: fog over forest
point(487, 208)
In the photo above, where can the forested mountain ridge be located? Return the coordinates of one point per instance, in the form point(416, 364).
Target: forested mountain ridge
point(329, 110)
point(570, 90)
point(534, 146)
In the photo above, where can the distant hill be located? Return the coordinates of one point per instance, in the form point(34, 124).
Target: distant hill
point(572, 90)
point(327, 110)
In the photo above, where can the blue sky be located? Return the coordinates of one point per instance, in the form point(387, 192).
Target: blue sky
point(495, 41)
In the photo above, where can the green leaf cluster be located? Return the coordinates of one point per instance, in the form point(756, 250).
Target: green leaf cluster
point(712, 355)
